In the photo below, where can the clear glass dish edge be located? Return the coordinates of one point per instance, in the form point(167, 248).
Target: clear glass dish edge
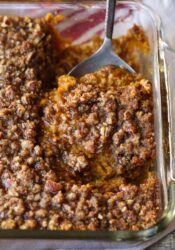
point(168, 214)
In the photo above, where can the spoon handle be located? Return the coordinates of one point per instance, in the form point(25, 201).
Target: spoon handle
point(109, 20)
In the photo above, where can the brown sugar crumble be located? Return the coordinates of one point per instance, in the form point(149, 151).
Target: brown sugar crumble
point(77, 156)
point(102, 119)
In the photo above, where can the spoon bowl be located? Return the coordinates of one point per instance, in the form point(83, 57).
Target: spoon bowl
point(105, 55)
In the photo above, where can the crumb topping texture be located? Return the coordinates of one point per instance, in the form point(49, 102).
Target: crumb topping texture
point(75, 154)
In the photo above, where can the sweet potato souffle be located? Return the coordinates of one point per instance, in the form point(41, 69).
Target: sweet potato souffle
point(75, 153)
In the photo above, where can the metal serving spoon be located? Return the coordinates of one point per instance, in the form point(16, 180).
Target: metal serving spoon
point(105, 55)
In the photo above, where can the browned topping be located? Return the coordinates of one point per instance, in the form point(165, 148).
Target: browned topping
point(106, 113)
point(65, 154)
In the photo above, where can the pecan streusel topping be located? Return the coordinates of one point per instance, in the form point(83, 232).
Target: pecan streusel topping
point(75, 157)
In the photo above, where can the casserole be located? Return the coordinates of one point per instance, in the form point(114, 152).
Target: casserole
point(129, 14)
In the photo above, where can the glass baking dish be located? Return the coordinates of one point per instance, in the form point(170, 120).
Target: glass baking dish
point(153, 67)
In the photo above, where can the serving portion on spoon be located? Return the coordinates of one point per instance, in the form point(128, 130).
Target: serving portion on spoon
point(105, 55)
